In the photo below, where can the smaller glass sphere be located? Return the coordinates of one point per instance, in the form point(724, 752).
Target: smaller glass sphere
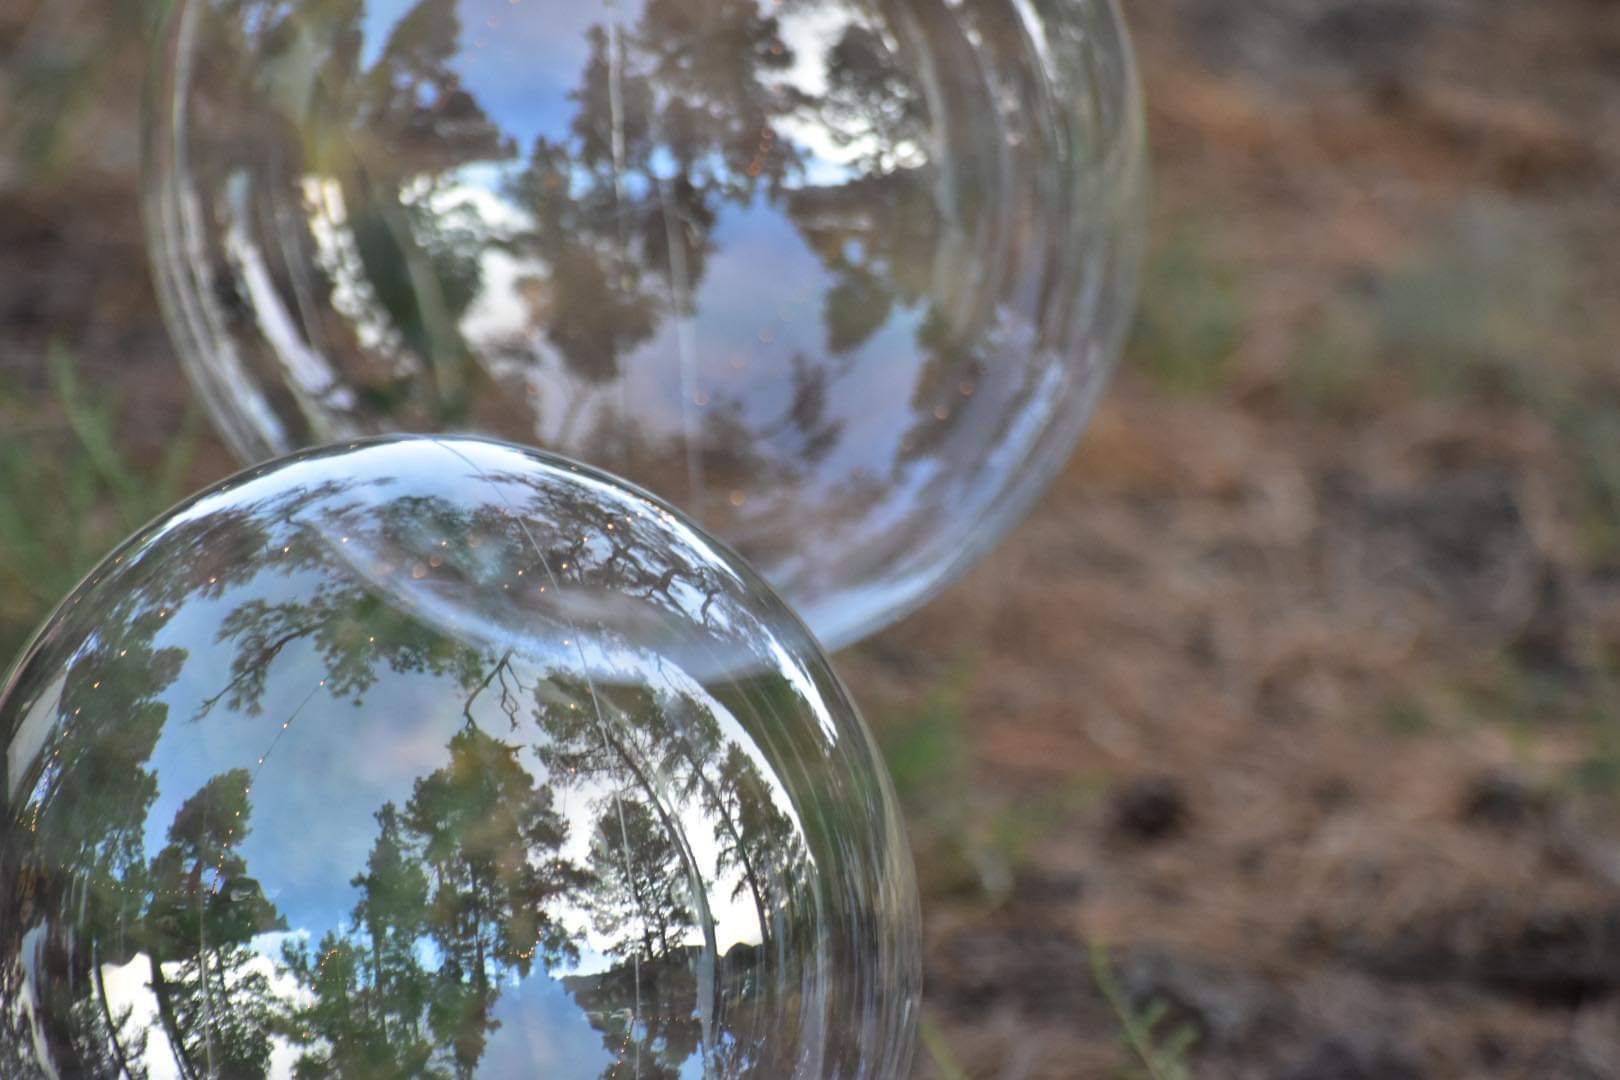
point(441, 758)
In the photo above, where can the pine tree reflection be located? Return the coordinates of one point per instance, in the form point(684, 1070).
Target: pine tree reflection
point(83, 802)
point(678, 113)
point(472, 866)
point(638, 898)
point(366, 1014)
point(490, 840)
point(203, 911)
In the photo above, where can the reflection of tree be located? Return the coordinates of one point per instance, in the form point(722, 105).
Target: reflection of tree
point(392, 911)
point(215, 1000)
point(706, 766)
point(368, 990)
point(599, 743)
point(352, 628)
point(674, 118)
point(413, 100)
point(638, 897)
point(91, 778)
point(472, 867)
point(387, 138)
point(675, 115)
point(646, 1013)
point(682, 112)
point(104, 1044)
point(545, 264)
point(589, 302)
point(761, 838)
point(419, 124)
point(876, 235)
point(659, 755)
point(489, 840)
point(872, 106)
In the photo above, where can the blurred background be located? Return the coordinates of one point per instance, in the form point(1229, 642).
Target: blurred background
point(1282, 741)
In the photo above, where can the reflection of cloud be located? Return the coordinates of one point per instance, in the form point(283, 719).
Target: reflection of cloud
point(542, 1033)
point(271, 944)
point(499, 313)
point(129, 986)
point(808, 33)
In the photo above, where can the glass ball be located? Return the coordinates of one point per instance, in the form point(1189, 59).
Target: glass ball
point(438, 757)
point(841, 279)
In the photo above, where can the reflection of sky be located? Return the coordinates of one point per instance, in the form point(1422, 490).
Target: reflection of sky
point(543, 1033)
point(891, 521)
point(765, 279)
point(324, 777)
point(521, 69)
point(320, 779)
point(521, 59)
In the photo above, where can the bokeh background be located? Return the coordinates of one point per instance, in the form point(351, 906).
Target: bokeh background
point(1283, 740)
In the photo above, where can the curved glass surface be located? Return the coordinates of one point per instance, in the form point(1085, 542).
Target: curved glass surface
point(440, 758)
point(840, 278)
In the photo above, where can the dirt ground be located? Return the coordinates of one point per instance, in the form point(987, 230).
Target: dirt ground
point(1289, 718)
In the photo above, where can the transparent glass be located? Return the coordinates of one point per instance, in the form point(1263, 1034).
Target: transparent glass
point(442, 758)
point(839, 278)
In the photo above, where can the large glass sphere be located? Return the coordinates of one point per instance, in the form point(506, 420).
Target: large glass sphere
point(839, 278)
point(441, 758)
